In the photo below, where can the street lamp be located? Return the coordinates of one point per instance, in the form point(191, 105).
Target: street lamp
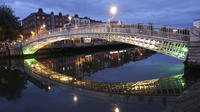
point(113, 10)
point(32, 34)
point(43, 25)
point(70, 18)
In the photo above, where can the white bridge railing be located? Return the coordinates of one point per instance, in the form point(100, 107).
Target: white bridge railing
point(147, 30)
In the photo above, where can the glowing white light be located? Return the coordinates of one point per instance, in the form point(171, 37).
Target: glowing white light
point(70, 18)
point(175, 30)
point(49, 87)
point(117, 109)
point(44, 26)
point(113, 10)
point(75, 98)
point(64, 79)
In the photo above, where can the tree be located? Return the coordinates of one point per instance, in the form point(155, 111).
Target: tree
point(10, 26)
point(12, 84)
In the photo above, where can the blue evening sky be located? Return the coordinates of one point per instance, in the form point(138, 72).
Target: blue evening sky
point(170, 12)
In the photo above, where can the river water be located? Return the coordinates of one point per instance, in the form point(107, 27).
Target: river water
point(22, 91)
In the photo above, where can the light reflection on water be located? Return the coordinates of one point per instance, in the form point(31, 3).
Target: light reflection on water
point(100, 67)
point(134, 64)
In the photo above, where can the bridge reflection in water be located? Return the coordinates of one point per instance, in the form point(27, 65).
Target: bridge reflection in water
point(168, 86)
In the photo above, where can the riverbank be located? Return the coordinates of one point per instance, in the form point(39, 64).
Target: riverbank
point(188, 102)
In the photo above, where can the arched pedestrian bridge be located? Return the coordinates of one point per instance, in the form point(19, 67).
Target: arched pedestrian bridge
point(169, 41)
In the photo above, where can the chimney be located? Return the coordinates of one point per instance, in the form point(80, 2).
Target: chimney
point(60, 14)
point(52, 13)
point(40, 10)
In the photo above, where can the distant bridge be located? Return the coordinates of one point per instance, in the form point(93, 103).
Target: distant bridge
point(169, 41)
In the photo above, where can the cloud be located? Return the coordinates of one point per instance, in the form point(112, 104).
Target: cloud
point(172, 12)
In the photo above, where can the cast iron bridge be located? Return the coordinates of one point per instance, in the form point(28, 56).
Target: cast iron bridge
point(169, 41)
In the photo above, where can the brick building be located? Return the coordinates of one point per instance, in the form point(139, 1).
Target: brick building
point(40, 21)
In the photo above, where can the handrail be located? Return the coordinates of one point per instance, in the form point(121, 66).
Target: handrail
point(104, 28)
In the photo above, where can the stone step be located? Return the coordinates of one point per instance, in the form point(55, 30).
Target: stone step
point(194, 51)
point(194, 45)
point(194, 61)
point(197, 44)
point(194, 58)
point(194, 55)
point(194, 41)
point(190, 48)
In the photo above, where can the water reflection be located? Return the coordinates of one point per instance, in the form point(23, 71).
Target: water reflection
point(12, 84)
point(85, 65)
point(117, 109)
point(173, 85)
point(75, 98)
point(69, 72)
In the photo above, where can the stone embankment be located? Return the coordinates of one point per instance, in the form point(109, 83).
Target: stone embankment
point(189, 101)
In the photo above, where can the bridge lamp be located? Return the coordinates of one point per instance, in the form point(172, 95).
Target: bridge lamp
point(43, 25)
point(21, 37)
point(32, 34)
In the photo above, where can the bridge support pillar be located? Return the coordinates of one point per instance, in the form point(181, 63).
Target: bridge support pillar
point(193, 57)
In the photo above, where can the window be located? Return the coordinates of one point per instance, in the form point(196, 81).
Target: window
point(43, 17)
point(38, 22)
point(38, 17)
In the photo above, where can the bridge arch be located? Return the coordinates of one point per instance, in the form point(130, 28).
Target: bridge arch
point(167, 43)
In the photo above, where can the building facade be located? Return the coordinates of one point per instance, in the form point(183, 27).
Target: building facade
point(196, 23)
point(41, 22)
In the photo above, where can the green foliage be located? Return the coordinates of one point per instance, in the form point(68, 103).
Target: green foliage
point(10, 25)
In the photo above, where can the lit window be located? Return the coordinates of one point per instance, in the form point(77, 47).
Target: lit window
point(43, 17)
point(38, 17)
